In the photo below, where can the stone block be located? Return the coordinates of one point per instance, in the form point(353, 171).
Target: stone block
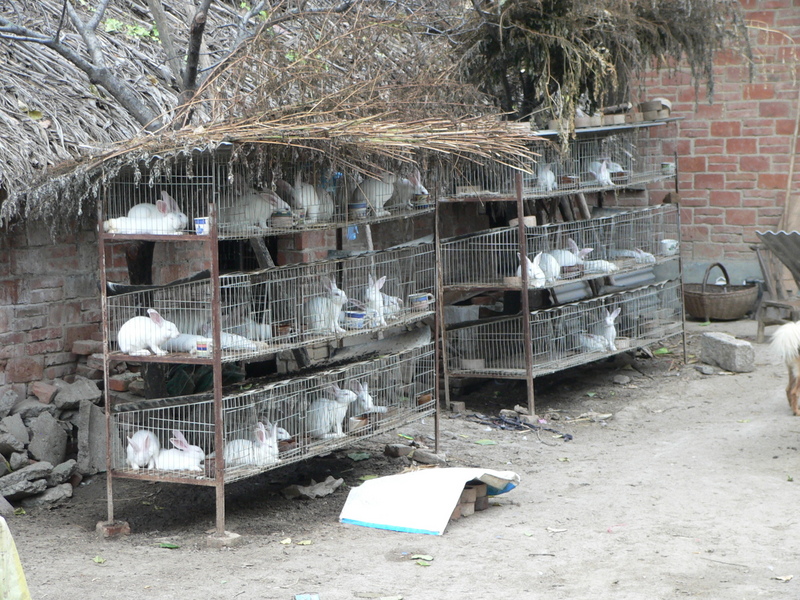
point(4, 468)
point(95, 361)
point(30, 408)
point(62, 473)
point(137, 387)
point(121, 383)
point(112, 530)
point(91, 439)
point(87, 347)
point(52, 495)
point(45, 392)
point(19, 460)
point(49, 440)
point(8, 398)
point(727, 352)
point(467, 508)
point(88, 372)
point(70, 395)
point(27, 481)
point(6, 509)
point(10, 444)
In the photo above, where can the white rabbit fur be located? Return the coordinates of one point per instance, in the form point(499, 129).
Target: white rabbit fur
point(317, 202)
point(322, 312)
point(375, 192)
point(536, 277)
point(599, 266)
point(143, 448)
point(591, 342)
point(545, 178)
point(405, 188)
point(251, 207)
point(262, 452)
point(183, 457)
point(325, 415)
point(142, 336)
point(364, 403)
point(550, 267)
point(640, 256)
point(601, 172)
point(162, 218)
point(374, 302)
point(572, 257)
point(607, 329)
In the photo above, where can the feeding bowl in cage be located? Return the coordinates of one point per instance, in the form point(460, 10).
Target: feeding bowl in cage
point(421, 201)
point(420, 302)
point(202, 225)
point(620, 177)
point(287, 445)
point(282, 329)
point(354, 319)
point(572, 272)
point(359, 422)
point(622, 343)
point(357, 210)
point(424, 399)
point(282, 219)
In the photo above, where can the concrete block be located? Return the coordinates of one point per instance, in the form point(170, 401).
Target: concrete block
point(87, 347)
point(112, 530)
point(8, 398)
point(30, 408)
point(70, 395)
point(482, 503)
point(19, 460)
point(88, 372)
point(52, 495)
point(6, 509)
point(62, 473)
point(95, 361)
point(227, 540)
point(727, 352)
point(10, 444)
point(91, 439)
point(27, 481)
point(49, 440)
point(467, 509)
point(121, 383)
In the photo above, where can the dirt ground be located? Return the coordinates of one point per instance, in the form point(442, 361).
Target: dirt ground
point(684, 491)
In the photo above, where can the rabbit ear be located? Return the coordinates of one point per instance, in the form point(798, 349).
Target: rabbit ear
point(169, 200)
point(334, 388)
point(179, 443)
point(616, 312)
point(379, 284)
point(356, 386)
point(155, 317)
point(163, 207)
point(537, 259)
point(572, 245)
point(261, 433)
point(584, 252)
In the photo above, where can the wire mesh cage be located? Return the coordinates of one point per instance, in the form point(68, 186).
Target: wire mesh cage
point(567, 335)
point(262, 312)
point(274, 196)
point(274, 424)
point(625, 156)
point(619, 243)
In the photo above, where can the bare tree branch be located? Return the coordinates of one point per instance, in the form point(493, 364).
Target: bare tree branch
point(165, 36)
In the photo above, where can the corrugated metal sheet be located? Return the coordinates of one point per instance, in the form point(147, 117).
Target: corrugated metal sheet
point(785, 246)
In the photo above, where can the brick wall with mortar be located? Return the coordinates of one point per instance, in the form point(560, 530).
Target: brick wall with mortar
point(734, 154)
point(49, 298)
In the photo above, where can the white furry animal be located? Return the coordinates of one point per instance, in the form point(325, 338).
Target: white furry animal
point(786, 345)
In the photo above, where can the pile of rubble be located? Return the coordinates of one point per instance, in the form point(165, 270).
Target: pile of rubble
point(50, 440)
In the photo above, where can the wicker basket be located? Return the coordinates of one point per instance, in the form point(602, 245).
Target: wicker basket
point(722, 303)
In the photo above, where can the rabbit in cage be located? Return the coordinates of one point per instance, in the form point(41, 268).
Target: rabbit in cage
point(364, 403)
point(606, 328)
point(536, 277)
point(262, 452)
point(599, 266)
point(165, 218)
point(572, 257)
point(639, 255)
point(142, 450)
point(591, 342)
point(142, 336)
point(601, 172)
point(405, 188)
point(325, 415)
point(251, 207)
point(316, 202)
point(550, 268)
point(322, 312)
point(374, 302)
point(183, 457)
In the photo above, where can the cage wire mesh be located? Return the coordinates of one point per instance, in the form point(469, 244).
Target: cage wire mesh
point(276, 196)
point(278, 423)
point(266, 311)
point(619, 243)
point(567, 335)
point(592, 161)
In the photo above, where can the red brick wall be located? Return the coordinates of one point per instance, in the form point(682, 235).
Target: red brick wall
point(48, 299)
point(734, 155)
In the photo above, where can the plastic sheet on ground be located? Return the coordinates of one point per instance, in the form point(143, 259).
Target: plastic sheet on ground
point(420, 501)
point(12, 580)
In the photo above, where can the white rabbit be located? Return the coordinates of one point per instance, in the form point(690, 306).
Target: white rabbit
point(231, 341)
point(545, 178)
point(405, 188)
point(143, 448)
point(374, 302)
point(325, 415)
point(142, 336)
point(607, 329)
point(140, 211)
point(550, 267)
point(601, 172)
point(599, 266)
point(322, 312)
point(185, 342)
point(164, 221)
point(252, 208)
point(304, 196)
point(364, 404)
point(183, 457)
point(376, 193)
point(392, 306)
point(536, 276)
point(640, 255)
point(245, 452)
point(572, 257)
point(591, 342)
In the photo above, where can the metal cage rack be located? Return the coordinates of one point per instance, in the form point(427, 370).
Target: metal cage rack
point(266, 311)
point(565, 336)
point(627, 240)
point(401, 389)
point(278, 198)
point(632, 154)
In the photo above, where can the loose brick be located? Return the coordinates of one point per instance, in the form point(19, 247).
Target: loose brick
point(23, 369)
point(45, 392)
point(87, 347)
